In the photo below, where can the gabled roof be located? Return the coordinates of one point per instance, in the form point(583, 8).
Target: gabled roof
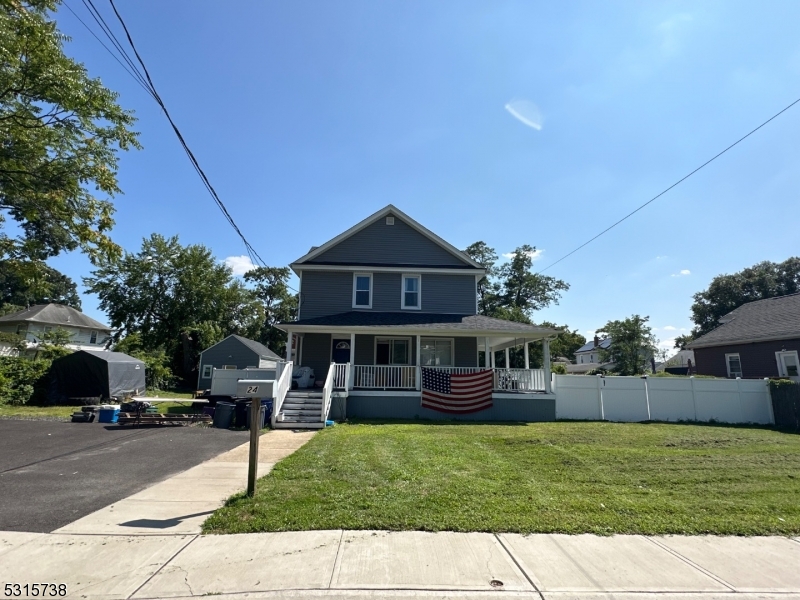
point(256, 347)
point(603, 344)
point(54, 314)
point(374, 218)
point(757, 321)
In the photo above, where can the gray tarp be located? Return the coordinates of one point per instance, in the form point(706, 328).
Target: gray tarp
point(96, 374)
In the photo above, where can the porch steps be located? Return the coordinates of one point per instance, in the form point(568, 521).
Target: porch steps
point(301, 410)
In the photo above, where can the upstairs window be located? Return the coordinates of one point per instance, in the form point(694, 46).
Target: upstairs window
point(362, 290)
point(93, 338)
point(411, 292)
point(734, 365)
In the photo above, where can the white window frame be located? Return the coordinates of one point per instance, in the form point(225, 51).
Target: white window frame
point(208, 371)
point(440, 339)
point(94, 335)
point(355, 279)
point(230, 367)
point(392, 338)
point(418, 277)
point(780, 363)
point(728, 365)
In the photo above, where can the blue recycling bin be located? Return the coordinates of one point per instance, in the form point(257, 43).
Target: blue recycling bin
point(108, 415)
point(266, 412)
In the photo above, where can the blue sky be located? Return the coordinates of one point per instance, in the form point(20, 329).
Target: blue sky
point(309, 116)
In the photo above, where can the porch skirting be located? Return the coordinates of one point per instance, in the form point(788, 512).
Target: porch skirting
point(406, 405)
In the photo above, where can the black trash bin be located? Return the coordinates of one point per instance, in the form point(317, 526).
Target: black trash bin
point(223, 415)
point(242, 410)
point(266, 412)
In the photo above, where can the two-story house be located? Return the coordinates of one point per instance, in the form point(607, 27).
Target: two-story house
point(388, 297)
point(32, 323)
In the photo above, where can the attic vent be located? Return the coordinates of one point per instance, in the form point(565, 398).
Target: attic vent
point(390, 220)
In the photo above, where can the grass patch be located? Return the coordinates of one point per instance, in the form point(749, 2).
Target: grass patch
point(27, 411)
point(570, 477)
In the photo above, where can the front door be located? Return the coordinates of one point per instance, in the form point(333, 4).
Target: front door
point(341, 351)
point(788, 365)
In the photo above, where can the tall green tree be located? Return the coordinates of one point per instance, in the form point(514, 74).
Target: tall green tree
point(728, 292)
point(513, 291)
point(60, 133)
point(270, 285)
point(177, 298)
point(28, 284)
point(632, 345)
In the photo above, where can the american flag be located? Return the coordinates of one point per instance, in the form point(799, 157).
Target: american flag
point(456, 393)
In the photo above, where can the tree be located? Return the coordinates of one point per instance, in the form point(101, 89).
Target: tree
point(682, 340)
point(61, 131)
point(54, 344)
point(279, 304)
point(177, 298)
point(565, 344)
point(26, 284)
point(728, 292)
point(512, 291)
point(632, 345)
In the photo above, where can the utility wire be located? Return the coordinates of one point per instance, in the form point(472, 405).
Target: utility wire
point(654, 198)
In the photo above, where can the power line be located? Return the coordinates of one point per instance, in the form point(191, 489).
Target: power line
point(681, 180)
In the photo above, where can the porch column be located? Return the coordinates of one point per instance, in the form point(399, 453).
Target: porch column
point(546, 353)
point(352, 361)
point(527, 356)
point(289, 347)
point(419, 363)
point(486, 360)
point(492, 352)
point(507, 365)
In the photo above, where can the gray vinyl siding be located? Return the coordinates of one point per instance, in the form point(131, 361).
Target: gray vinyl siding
point(317, 353)
point(383, 244)
point(326, 293)
point(528, 409)
point(465, 353)
point(227, 352)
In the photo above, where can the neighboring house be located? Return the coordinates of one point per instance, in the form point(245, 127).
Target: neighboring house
point(681, 363)
point(234, 352)
point(758, 339)
point(388, 296)
point(31, 323)
point(587, 357)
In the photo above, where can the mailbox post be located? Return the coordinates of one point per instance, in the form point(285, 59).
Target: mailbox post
point(255, 389)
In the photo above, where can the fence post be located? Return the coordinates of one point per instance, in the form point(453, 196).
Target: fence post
point(769, 401)
point(647, 396)
point(741, 402)
point(600, 397)
point(694, 400)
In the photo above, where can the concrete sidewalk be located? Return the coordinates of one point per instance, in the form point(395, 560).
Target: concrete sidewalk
point(180, 504)
point(359, 564)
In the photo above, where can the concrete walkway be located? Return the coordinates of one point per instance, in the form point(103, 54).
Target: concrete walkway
point(180, 504)
point(359, 564)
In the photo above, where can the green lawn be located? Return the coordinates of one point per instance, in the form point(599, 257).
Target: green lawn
point(36, 412)
point(569, 477)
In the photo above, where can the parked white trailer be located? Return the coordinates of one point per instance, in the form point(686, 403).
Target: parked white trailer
point(223, 381)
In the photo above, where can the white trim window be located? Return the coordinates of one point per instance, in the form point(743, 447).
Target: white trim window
point(411, 293)
point(362, 290)
point(208, 370)
point(734, 365)
point(392, 351)
point(93, 338)
point(788, 364)
point(436, 352)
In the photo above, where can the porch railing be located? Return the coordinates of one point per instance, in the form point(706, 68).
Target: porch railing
point(341, 375)
point(282, 386)
point(326, 392)
point(522, 380)
point(385, 377)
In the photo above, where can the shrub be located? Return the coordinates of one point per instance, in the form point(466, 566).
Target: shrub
point(559, 368)
point(23, 380)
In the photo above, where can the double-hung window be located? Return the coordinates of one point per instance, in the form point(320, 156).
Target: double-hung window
point(362, 290)
point(734, 364)
point(208, 371)
point(436, 352)
point(93, 338)
point(412, 292)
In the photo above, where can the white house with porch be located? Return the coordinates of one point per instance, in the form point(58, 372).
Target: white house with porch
point(383, 303)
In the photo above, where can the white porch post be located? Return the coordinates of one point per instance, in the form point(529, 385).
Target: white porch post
point(352, 361)
point(486, 359)
point(418, 363)
point(507, 365)
point(546, 353)
point(527, 356)
point(289, 347)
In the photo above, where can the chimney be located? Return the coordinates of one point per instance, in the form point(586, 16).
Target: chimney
point(596, 341)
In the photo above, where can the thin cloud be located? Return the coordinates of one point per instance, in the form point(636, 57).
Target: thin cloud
point(534, 254)
point(670, 328)
point(526, 112)
point(239, 264)
point(683, 273)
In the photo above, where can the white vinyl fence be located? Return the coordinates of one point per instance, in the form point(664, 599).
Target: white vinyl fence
point(632, 399)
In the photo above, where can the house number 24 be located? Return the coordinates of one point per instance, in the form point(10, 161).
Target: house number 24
point(252, 389)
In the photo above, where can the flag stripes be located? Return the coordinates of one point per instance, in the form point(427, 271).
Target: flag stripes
point(456, 393)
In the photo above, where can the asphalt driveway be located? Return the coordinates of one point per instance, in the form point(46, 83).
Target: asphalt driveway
point(52, 473)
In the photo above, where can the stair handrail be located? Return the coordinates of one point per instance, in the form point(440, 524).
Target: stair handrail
point(282, 386)
point(327, 392)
